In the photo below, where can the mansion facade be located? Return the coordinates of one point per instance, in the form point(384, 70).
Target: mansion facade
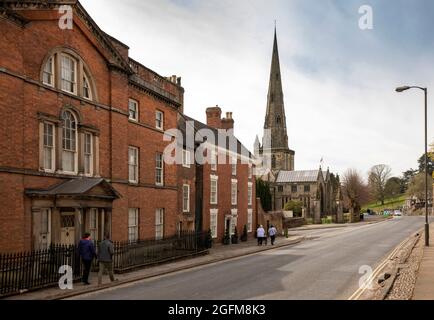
point(83, 128)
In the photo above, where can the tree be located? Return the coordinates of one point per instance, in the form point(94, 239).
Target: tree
point(393, 187)
point(295, 206)
point(378, 176)
point(416, 187)
point(406, 178)
point(263, 192)
point(354, 191)
point(421, 162)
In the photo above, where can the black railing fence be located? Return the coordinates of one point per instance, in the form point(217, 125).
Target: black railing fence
point(40, 268)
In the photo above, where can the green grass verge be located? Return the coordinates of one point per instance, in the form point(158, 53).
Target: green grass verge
point(391, 203)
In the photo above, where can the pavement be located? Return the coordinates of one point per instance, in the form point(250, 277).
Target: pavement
point(424, 289)
point(329, 266)
point(217, 254)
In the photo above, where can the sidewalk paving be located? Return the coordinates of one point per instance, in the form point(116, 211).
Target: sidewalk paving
point(216, 254)
point(424, 289)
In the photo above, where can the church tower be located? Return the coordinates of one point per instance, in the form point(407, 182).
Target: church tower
point(275, 139)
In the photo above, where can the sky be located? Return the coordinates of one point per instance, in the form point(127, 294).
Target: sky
point(338, 80)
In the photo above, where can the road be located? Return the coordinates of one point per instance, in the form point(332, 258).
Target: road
point(324, 267)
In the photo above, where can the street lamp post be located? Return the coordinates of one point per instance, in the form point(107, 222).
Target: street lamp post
point(402, 89)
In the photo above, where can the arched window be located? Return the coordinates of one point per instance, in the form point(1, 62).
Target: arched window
point(66, 71)
point(278, 120)
point(69, 142)
point(87, 93)
point(273, 161)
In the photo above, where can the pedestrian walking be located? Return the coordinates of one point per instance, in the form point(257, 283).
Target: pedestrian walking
point(87, 253)
point(105, 258)
point(272, 232)
point(260, 233)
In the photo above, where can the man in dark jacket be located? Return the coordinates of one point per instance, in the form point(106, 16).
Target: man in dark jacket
point(87, 253)
point(105, 258)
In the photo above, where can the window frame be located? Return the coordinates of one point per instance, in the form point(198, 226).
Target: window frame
point(89, 87)
point(89, 154)
point(234, 163)
point(211, 200)
point(249, 220)
point(306, 188)
point(186, 158)
point(234, 192)
point(75, 69)
point(213, 160)
point(136, 103)
point(50, 62)
point(250, 194)
point(214, 228)
point(64, 143)
point(159, 171)
point(186, 201)
point(159, 223)
point(161, 126)
point(53, 147)
point(135, 226)
point(135, 165)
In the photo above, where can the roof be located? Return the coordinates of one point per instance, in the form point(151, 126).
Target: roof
point(298, 176)
point(75, 187)
point(182, 123)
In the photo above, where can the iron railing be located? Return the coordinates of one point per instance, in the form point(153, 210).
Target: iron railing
point(32, 270)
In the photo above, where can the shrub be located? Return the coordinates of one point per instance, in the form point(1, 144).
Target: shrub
point(295, 206)
point(227, 238)
point(244, 235)
point(209, 240)
point(235, 236)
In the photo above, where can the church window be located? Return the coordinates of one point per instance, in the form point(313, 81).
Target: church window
point(273, 161)
point(278, 120)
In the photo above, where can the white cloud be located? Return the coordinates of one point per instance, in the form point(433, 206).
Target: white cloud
point(344, 110)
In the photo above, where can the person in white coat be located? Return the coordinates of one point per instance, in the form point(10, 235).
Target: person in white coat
point(260, 234)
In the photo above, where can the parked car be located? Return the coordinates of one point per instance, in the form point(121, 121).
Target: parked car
point(397, 213)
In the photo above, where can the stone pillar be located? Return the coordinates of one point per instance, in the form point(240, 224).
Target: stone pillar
point(317, 212)
point(340, 213)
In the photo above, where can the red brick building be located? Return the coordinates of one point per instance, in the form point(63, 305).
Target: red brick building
point(224, 184)
point(82, 133)
point(82, 146)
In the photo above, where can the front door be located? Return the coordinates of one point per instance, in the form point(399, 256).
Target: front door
point(67, 231)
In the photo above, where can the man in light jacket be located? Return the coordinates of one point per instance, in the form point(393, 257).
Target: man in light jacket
point(105, 258)
point(272, 232)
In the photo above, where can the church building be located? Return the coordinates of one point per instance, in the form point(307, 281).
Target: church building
point(318, 190)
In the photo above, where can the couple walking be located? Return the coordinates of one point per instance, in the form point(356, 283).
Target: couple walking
point(262, 236)
point(87, 253)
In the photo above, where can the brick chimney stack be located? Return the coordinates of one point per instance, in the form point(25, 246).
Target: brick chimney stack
point(213, 117)
point(228, 122)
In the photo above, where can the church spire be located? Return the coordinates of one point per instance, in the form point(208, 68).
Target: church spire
point(275, 119)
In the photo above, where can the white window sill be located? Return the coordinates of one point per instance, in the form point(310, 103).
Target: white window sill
point(68, 173)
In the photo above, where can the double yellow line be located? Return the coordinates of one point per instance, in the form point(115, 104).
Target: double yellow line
point(359, 292)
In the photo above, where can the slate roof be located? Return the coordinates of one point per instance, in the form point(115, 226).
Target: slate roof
point(298, 176)
point(73, 187)
point(182, 123)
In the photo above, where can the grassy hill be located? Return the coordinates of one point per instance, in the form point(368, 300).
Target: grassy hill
point(391, 203)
